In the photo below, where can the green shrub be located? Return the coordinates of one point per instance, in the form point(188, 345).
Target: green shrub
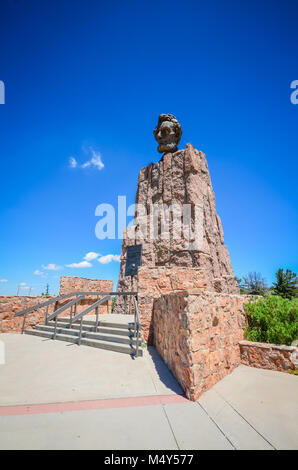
point(272, 319)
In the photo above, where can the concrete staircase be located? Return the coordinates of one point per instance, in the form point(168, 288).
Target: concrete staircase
point(108, 335)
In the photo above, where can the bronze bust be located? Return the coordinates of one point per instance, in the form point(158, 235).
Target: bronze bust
point(167, 133)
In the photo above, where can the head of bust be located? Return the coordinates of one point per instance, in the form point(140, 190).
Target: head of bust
point(167, 133)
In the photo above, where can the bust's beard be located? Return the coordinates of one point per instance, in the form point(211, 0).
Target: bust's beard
point(166, 148)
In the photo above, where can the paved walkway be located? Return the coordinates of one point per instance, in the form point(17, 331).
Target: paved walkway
point(40, 370)
point(59, 396)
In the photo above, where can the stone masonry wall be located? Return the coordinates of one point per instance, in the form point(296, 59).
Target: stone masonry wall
point(269, 356)
point(198, 336)
point(72, 283)
point(153, 282)
point(9, 305)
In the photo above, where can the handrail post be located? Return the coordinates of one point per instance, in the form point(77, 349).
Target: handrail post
point(23, 327)
point(55, 331)
point(70, 316)
point(135, 317)
point(96, 324)
point(75, 310)
point(46, 318)
point(137, 325)
point(137, 341)
point(80, 336)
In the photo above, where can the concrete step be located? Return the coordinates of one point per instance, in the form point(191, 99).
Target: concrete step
point(100, 335)
point(101, 328)
point(111, 324)
point(95, 343)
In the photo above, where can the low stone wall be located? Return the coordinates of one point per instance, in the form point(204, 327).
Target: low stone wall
point(269, 356)
point(72, 283)
point(198, 336)
point(153, 282)
point(11, 304)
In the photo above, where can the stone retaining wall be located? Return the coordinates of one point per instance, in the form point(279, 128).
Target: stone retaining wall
point(153, 282)
point(11, 304)
point(269, 356)
point(198, 336)
point(72, 283)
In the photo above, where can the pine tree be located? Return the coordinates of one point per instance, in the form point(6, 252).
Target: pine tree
point(286, 284)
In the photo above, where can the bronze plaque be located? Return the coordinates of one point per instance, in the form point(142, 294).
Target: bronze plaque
point(133, 260)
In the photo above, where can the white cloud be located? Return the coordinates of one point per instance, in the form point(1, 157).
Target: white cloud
point(52, 267)
point(108, 259)
point(72, 162)
point(91, 255)
point(94, 160)
point(3, 280)
point(22, 283)
point(82, 264)
point(39, 273)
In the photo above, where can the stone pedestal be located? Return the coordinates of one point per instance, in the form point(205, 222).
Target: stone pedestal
point(178, 179)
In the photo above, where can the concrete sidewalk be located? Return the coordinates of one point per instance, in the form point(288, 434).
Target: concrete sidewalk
point(248, 409)
point(265, 400)
point(149, 427)
point(39, 370)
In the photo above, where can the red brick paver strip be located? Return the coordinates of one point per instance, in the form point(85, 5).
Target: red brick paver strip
point(151, 400)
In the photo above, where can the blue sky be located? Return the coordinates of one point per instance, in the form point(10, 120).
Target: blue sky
point(91, 75)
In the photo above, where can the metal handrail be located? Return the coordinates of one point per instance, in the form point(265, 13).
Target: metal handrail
point(65, 296)
point(137, 324)
point(55, 314)
point(81, 315)
point(43, 304)
point(65, 307)
point(91, 307)
point(80, 295)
